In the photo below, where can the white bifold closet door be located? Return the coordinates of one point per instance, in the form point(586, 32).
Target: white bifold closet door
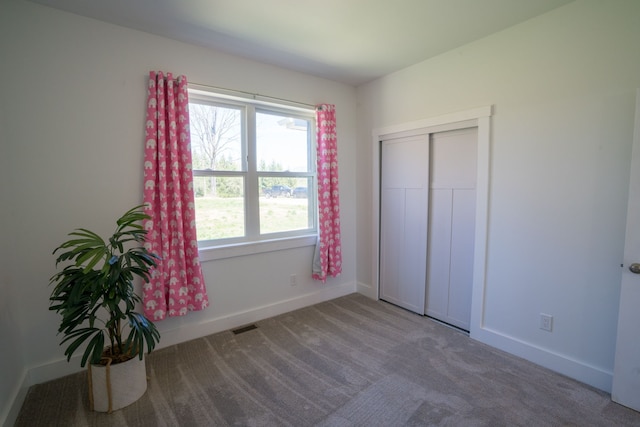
point(427, 223)
point(452, 211)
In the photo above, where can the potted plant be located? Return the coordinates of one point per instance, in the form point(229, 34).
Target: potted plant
point(95, 295)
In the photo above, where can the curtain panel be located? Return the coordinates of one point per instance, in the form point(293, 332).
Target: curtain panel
point(328, 254)
point(177, 284)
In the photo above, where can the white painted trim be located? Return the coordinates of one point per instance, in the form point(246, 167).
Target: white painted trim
point(375, 210)
point(257, 247)
point(60, 368)
point(572, 368)
point(367, 290)
point(424, 124)
point(234, 320)
point(477, 117)
point(482, 224)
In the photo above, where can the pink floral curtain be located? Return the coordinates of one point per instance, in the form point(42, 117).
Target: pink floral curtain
point(177, 285)
point(328, 254)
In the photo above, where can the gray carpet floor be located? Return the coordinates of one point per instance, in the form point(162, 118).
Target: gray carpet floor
point(351, 361)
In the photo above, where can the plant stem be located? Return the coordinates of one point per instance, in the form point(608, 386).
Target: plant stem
point(117, 335)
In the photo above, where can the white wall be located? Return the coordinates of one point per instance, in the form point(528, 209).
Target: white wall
point(12, 369)
point(73, 104)
point(563, 87)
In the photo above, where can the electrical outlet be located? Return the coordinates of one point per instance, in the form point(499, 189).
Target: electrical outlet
point(546, 322)
point(293, 280)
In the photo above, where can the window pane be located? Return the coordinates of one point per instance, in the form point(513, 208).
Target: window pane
point(286, 204)
point(216, 137)
point(219, 207)
point(281, 143)
point(253, 169)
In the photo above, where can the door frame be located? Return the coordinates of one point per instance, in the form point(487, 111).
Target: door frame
point(479, 118)
point(625, 381)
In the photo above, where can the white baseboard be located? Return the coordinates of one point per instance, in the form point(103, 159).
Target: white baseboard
point(367, 290)
point(562, 364)
point(212, 326)
point(61, 368)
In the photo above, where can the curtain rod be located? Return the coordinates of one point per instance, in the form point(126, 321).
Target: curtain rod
point(254, 96)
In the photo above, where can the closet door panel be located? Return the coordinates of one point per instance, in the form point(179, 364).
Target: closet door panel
point(462, 244)
point(438, 268)
point(452, 204)
point(392, 211)
point(403, 221)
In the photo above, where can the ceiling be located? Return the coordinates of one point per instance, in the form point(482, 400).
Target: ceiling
point(351, 41)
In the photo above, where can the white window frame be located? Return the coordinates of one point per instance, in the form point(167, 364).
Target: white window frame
point(253, 242)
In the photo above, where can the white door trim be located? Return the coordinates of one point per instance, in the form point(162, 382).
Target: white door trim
point(477, 117)
point(626, 379)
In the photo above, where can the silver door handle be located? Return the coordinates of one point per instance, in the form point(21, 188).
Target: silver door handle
point(635, 268)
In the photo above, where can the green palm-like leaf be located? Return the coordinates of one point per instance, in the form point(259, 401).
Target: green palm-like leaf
point(99, 280)
point(142, 330)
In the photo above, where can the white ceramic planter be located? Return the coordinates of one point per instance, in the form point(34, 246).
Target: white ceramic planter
point(115, 386)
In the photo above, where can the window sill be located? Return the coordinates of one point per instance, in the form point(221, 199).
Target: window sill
point(252, 248)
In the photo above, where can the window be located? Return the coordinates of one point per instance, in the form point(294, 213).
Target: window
point(253, 170)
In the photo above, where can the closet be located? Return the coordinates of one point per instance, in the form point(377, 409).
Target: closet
point(427, 223)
